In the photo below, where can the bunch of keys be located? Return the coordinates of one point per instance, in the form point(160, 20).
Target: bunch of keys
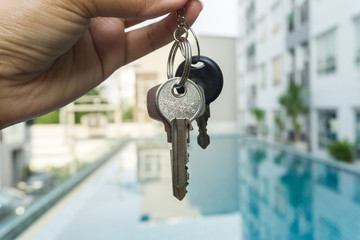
point(182, 99)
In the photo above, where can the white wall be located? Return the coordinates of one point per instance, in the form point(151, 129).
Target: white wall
point(272, 46)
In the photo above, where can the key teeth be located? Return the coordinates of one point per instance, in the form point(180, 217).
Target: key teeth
point(203, 141)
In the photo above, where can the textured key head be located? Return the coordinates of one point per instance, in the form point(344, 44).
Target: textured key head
point(187, 105)
point(207, 74)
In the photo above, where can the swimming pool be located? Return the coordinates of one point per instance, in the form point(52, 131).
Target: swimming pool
point(239, 189)
point(278, 193)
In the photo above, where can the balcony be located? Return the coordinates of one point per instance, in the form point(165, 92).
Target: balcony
point(291, 21)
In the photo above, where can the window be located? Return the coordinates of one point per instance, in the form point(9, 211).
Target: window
point(326, 53)
point(291, 17)
point(262, 76)
point(276, 17)
point(250, 17)
point(305, 12)
point(261, 30)
point(357, 131)
point(327, 127)
point(277, 71)
point(357, 41)
point(251, 57)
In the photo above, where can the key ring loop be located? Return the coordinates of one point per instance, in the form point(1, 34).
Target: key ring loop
point(181, 29)
point(197, 45)
point(185, 44)
point(177, 35)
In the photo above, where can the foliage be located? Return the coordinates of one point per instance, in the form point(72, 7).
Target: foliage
point(79, 115)
point(293, 104)
point(94, 91)
point(279, 123)
point(341, 150)
point(128, 114)
point(259, 115)
point(50, 118)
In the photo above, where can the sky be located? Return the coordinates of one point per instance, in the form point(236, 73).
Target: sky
point(218, 18)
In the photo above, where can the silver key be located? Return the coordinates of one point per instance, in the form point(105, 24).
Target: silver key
point(180, 109)
point(171, 104)
point(179, 156)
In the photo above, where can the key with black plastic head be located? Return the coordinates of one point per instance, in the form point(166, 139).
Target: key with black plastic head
point(153, 111)
point(207, 74)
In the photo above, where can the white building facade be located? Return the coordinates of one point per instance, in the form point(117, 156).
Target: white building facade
point(314, 43)
point(335, 85)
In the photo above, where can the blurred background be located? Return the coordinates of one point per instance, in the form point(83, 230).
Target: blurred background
point(283, 162)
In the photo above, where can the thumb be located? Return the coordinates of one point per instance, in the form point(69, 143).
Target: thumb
point(139, 9)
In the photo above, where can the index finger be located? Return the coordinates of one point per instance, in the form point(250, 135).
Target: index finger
point(138, 9)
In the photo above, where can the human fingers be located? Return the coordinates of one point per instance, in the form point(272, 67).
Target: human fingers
point(132, 22)
point(147, 39)
point(139, 9)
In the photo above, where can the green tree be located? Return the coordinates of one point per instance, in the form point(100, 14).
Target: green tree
point(259, 115)
point(95, 91)
point(294, 106)
point(128, 114)
point(50, 118)
point(280, 126)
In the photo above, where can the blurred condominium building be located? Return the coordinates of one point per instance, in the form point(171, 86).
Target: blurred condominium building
point(314, 44)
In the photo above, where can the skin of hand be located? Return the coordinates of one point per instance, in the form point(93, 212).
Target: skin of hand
point(54, 51)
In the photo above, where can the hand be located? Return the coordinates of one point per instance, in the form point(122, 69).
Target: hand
point(54, 51)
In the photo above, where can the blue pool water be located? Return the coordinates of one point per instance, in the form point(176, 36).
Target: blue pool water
point(279, 194)
point(239, 190)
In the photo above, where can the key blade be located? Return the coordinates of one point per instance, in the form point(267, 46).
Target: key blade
point(180, 176)
point(203, 138)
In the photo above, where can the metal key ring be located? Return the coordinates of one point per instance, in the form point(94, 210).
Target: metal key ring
point(171, 60)
point(177, 36)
